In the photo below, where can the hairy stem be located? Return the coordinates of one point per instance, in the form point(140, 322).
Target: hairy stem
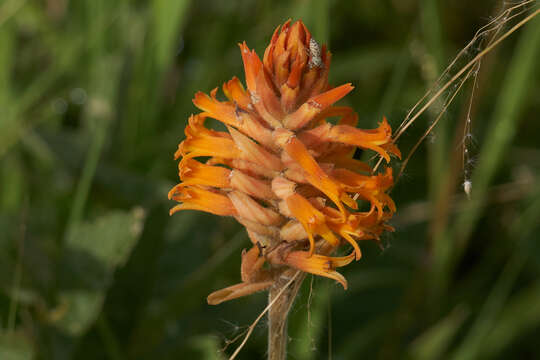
point(278, 313)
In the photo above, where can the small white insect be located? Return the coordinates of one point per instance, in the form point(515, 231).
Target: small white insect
point(314, 54)
point(467, 187)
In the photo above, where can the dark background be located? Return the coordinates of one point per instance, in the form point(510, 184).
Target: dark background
point(94, 96)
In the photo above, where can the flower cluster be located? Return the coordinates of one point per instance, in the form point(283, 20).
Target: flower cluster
point(282, 169)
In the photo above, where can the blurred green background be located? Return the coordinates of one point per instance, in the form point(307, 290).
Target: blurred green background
point(94, 96)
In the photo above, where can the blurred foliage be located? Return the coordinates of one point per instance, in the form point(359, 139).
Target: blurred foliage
point(94, 95)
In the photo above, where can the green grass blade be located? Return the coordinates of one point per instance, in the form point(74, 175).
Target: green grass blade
point(475, 342)
point(433, 343)
point(168, 17)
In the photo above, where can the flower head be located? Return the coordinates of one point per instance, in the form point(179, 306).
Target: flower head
point(281, 169)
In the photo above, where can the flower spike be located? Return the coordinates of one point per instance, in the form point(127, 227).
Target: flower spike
point(282, 169)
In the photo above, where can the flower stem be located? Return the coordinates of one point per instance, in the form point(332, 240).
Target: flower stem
point(278, 313)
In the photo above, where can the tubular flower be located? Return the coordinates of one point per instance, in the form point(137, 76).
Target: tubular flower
point(282, 169)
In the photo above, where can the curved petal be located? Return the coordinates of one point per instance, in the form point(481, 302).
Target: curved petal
point(237, 291)
point(319, 264)
point(313, 221)
point(194, 198)
point(314, 106)
point(375, 139)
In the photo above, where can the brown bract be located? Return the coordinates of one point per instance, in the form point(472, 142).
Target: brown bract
point(282, 169)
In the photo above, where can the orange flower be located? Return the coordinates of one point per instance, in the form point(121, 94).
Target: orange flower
point(281, 169)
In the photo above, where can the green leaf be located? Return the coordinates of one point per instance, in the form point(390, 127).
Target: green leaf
point(93, 251)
